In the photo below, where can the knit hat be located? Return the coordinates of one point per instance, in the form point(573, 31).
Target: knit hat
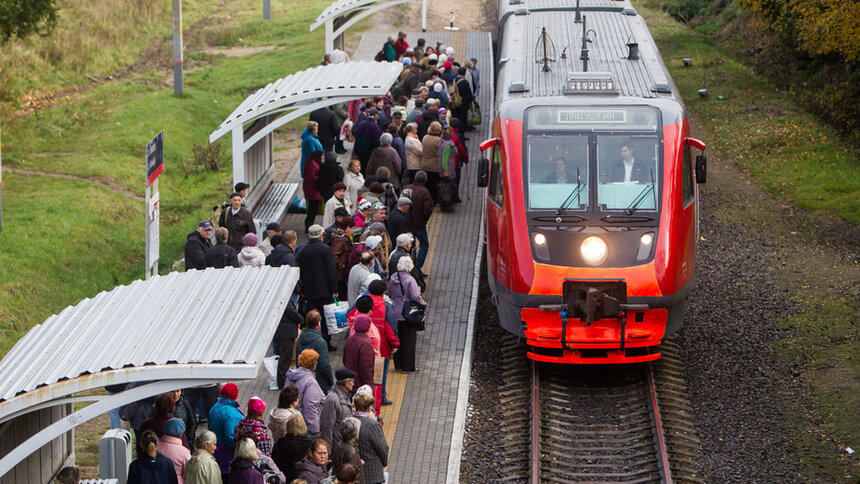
point(443, 59)
point(447, 65)
point(361, 323)
point(372, 242)
point(377, 288)
point(364, 204)
point(256, 405)
point(174, 427)
point(437, 87)
point(449, 51)
point(249, 240)
point(229, 390)
point(432, 57)
point(338, 186)
point(406, 61)
point(341, 212)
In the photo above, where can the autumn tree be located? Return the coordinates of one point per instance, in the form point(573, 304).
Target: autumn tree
point(20, 18)
point(818, 27)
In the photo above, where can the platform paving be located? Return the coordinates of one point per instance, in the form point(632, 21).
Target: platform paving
point(422, 424)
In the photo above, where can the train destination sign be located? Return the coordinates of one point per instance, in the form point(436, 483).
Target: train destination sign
point(570, 116)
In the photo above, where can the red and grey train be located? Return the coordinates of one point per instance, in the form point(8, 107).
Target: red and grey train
point(591, 175)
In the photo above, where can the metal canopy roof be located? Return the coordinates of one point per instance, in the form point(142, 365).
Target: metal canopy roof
point(179, 330)
point(302, 90)
point(340, 8)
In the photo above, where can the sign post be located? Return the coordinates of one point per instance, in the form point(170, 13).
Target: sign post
point(154, 167)
point(177, 48)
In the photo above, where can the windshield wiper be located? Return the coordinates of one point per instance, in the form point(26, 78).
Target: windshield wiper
point(631, 209)
point(575, 192)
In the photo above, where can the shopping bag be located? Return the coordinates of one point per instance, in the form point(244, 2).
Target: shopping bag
point(271, 364)
point(346, 131)
point(378, 369)
point(476, 114)
point(335, 316)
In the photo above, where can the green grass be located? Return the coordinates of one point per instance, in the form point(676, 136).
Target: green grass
point(802, 162)
point(64, 240)
point(793, 154)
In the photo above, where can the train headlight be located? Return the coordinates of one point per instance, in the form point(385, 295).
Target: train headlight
point(646, 242)
point(541, 249)
point(594, 250)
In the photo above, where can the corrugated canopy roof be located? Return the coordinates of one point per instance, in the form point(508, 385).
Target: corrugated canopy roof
point(348, 81)
point(190, 325)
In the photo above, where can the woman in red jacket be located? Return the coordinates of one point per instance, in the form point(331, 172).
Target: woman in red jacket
point(313, 197)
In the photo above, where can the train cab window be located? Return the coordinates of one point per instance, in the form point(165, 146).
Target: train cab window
point(687, 176)
point(557, 171)
point(628, 172)
point(495, 188)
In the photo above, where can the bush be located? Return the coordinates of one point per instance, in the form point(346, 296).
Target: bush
point(208, 156)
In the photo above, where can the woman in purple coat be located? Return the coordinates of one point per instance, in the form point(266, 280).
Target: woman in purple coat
point(401, 288)
point(243, 469)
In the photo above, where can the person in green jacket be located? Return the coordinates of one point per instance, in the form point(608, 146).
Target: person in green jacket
point(388, 49)
point(311, 338)
point(203, 468)
point(447, 169)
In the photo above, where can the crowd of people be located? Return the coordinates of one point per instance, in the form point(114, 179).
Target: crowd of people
point(408, 149)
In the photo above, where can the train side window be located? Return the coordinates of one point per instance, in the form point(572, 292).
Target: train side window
point(496, 192)
point(687, 177)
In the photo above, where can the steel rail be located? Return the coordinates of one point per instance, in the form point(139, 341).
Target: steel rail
point(535, 425)
point(659, 437)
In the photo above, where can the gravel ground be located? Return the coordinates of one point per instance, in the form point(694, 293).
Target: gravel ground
point(753, 249)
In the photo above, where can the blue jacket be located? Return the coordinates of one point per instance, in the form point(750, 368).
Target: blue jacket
point(223, 417)
point(310, 143)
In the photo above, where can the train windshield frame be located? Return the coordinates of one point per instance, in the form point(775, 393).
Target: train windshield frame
point(605, 160)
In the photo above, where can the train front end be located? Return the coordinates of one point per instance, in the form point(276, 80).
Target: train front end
point(591, 226)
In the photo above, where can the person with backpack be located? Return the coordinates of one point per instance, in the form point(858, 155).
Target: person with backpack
point(464, 91)
point(447, 169)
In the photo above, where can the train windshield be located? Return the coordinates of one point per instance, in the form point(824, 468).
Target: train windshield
point(593, 159)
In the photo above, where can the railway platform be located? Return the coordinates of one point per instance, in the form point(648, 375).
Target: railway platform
point(425, 424)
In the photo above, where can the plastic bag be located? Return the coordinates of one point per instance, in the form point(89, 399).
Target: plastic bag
point(271, 364)
point(346, 131)
point(476, 114)
point(335, 316)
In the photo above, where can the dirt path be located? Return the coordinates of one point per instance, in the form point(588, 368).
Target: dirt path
point(109, 183)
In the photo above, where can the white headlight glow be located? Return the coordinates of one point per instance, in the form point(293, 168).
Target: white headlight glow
point(540, 239)
point(594, 250)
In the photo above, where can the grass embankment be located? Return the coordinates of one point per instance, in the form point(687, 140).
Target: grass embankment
point(801, 161)
point(67, 239)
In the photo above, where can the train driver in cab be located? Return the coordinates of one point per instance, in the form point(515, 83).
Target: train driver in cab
point(560, 175)
point(628, 170)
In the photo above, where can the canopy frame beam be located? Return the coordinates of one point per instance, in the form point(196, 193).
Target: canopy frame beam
point(350, 18)
point(103, 405)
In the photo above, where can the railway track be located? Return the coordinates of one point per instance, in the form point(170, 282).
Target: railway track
point(596, 423)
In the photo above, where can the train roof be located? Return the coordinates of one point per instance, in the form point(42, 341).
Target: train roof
point(614, 24)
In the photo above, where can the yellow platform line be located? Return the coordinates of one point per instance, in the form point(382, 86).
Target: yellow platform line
point(396, 383)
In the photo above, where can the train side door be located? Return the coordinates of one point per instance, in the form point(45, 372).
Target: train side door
point(495, 212)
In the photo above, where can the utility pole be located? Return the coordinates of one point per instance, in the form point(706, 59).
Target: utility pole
point(267, 11)
point(177, 47)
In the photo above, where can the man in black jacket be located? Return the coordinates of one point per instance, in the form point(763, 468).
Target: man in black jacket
point(329, 129)
point(318, 275)
point(221, 255)
point(196, 245)
point(238, 221)
point(400, 220)
point(284, 252)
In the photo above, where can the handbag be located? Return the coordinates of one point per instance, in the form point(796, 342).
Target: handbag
point(414, 314)
point(476, 114)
